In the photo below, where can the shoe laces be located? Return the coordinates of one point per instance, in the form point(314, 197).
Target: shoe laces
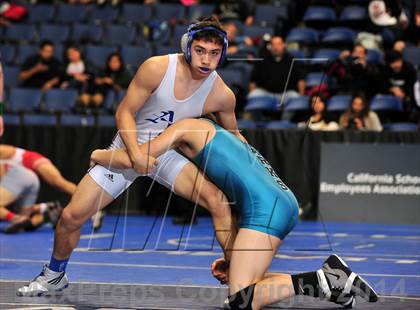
point(337, 288)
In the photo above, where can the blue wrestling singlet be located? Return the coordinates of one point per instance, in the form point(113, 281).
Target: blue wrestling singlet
point(265, 203)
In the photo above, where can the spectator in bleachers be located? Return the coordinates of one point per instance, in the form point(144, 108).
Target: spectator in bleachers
point(320, 120)
point(76, 71)
point(357, 74)
point(399, 46)
point(389, 19)
point(399, 78)
point(359, 116)
point(235, 10)
point(41, 70)
point(270, 75)
point(236, 43)
point(115, 77)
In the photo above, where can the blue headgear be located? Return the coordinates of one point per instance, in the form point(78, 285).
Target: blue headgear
point(188, 37)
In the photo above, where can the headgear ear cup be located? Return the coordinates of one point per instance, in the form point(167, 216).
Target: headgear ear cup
point(184, 47)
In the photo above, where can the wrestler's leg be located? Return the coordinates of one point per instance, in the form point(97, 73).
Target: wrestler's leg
point(252, 255)
point(50, 174)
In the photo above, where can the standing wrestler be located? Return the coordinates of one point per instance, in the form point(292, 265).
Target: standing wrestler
point(164, 90)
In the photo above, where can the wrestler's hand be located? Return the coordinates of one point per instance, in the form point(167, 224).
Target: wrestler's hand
point(144, 164)
point(220, 270)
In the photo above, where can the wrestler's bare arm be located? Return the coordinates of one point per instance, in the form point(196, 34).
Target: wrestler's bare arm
point(191, 135)
point(223, 105)
point(146, 80)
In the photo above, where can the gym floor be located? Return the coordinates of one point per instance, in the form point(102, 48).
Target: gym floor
point(148, 263)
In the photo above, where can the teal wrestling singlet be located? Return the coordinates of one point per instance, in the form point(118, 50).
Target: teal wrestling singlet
point(265, 203)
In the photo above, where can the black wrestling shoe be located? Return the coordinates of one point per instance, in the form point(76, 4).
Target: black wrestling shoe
point(18, 227)
point(340, 285)
point(53, 212)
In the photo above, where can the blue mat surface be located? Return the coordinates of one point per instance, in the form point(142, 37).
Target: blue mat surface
point(148, 250)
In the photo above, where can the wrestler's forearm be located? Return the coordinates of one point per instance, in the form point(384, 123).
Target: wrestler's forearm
point(127, 131)
point(228, 246)
point(117, 159)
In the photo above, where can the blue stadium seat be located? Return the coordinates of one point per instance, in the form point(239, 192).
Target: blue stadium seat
point(23, 99)
point(109, 103)
point(54, 33)
point(169, 11)
point(246, 124)
point(59, 52)
point(339, 35)
point(135, 55)
point(315, 78)
point(262, 103)
point(269, 14)
point(11, 76)
point(353, 14)
point(8, 53)
point(25, 51)
point(103, 14)
point(120, 95)
point(300, 103)
point(330, 54)
point(39, 119)
point(20, 32)
point(77, 120)
point(135, 13)
point(106, 121)
point(401, 127)
point(411, 54)
point(257, 31)
point(178, 33)
point(98, 55)
point(40, 13)
point(339, 103)
point(280, 125)
point(11, 119)
point(86, 33)
point(59, 100)
point(319, 14)
point(164, 50)
point(200, 10)
point(386, 103)
point(302, 35)
point(119, 35)
point(231, 76)
point(296, 53)
point(70, 13)
point(374, 56)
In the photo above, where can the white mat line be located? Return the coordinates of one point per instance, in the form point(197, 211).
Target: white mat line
point(96, 264)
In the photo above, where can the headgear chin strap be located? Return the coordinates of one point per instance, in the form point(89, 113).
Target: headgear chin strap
point(188, 37)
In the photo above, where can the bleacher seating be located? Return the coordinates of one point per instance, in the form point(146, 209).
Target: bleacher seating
point(23, 100)
point(132, 28)
point(39, 119)
point(59, 100)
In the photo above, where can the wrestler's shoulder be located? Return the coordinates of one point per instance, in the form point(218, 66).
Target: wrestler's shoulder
point(222, 93)
point(155, 65)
